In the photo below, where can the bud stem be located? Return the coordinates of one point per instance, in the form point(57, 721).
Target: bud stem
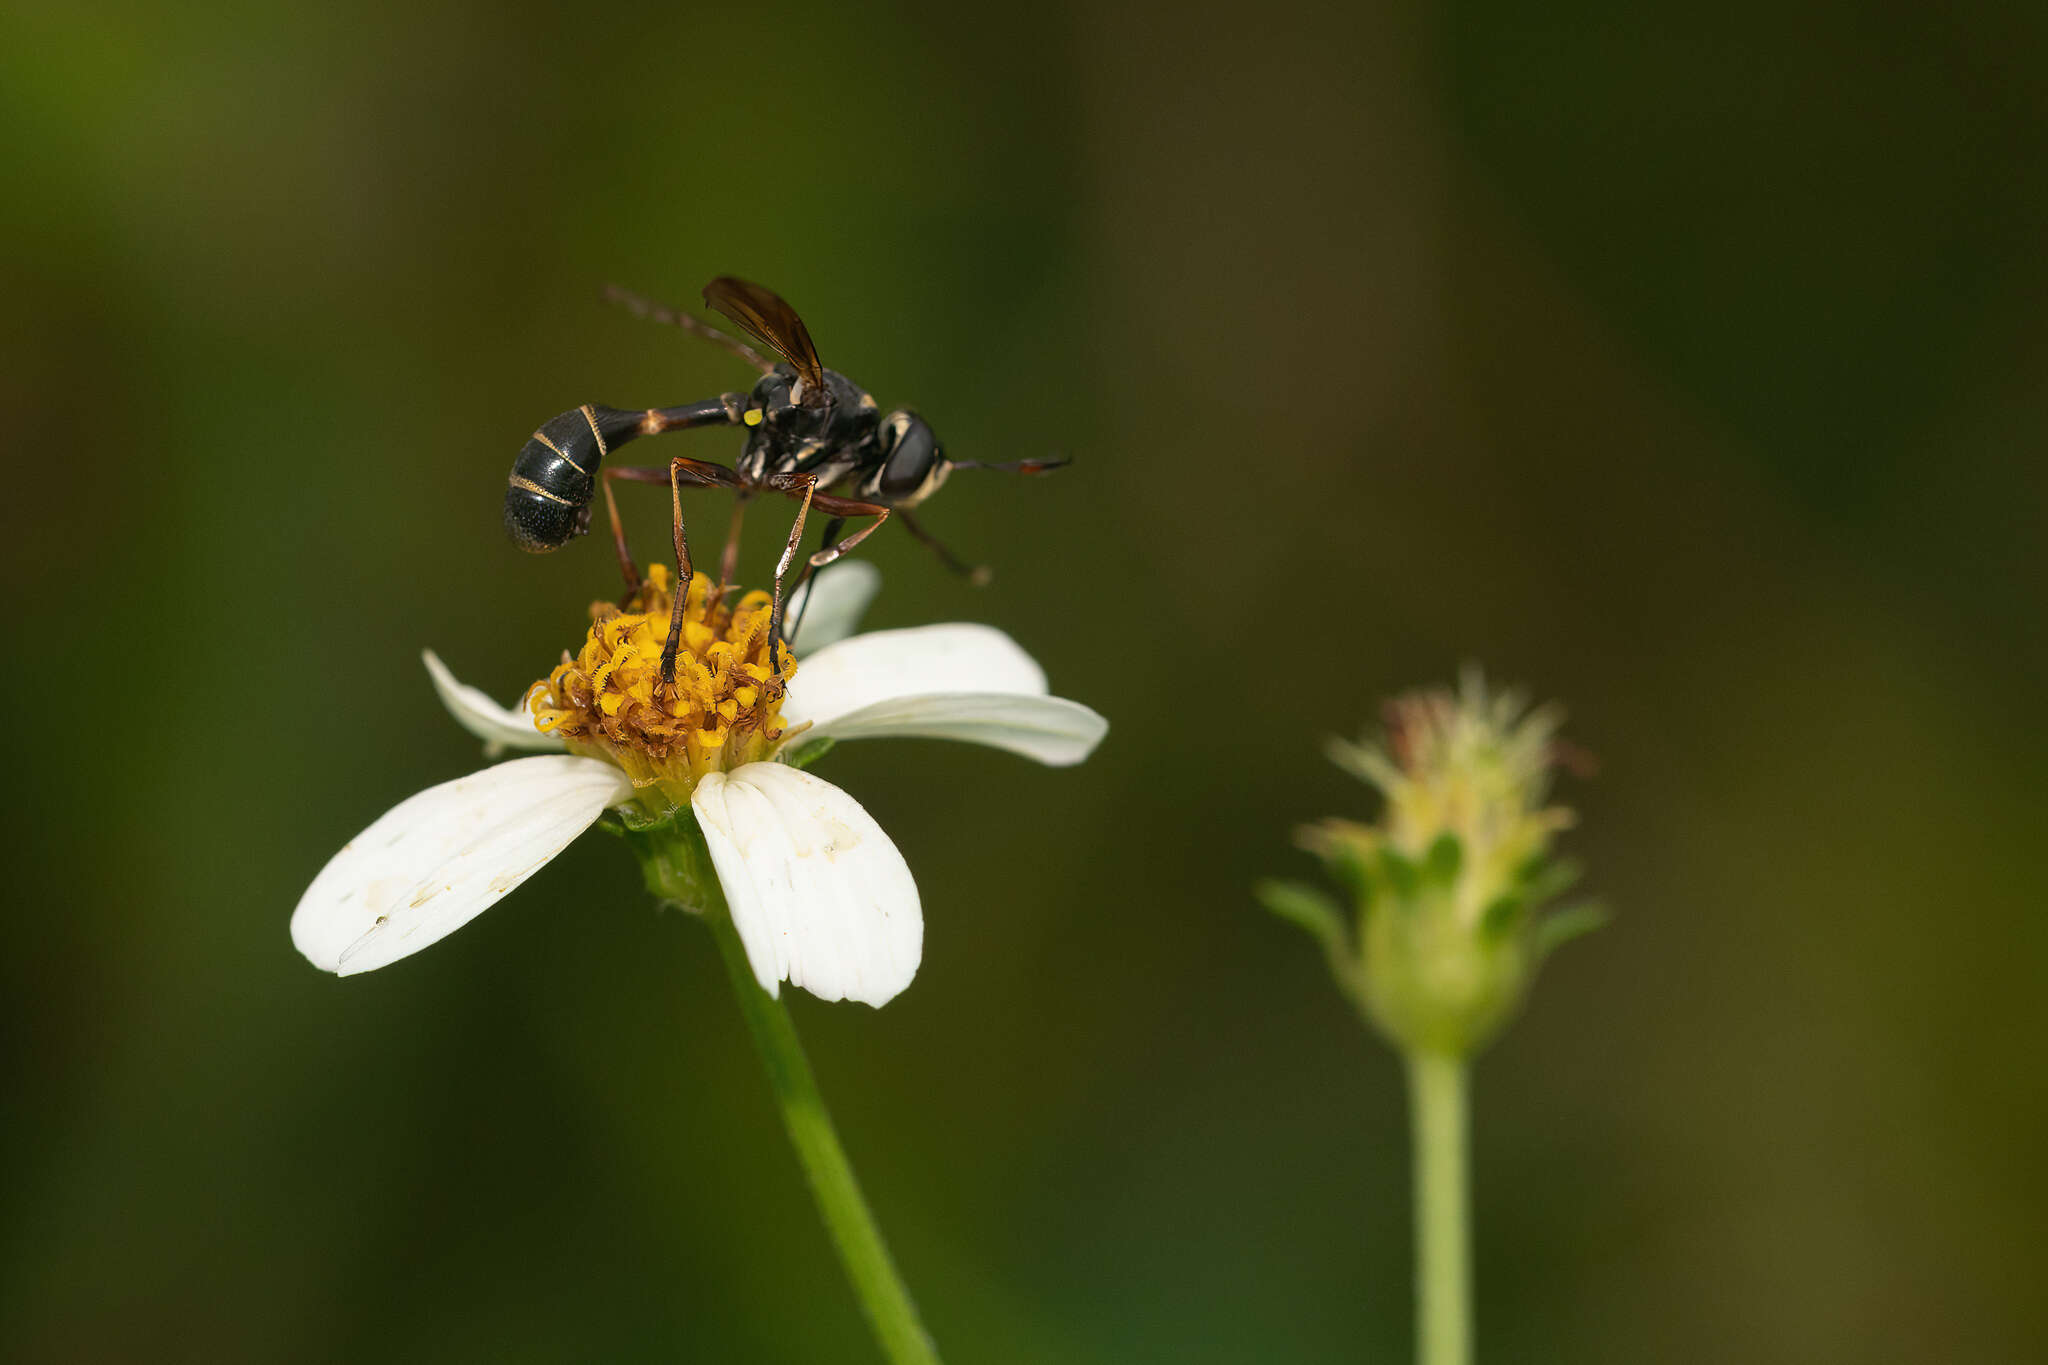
point(1443, 1238)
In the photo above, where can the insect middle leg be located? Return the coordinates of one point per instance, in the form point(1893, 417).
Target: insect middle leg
point(832, 529)
point(796, 535)
point(804, 488)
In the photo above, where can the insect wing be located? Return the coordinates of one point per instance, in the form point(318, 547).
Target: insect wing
point(763, 315)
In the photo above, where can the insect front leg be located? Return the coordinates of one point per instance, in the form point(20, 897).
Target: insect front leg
point(843, 508)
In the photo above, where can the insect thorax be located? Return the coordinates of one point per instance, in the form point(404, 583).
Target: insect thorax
point(784, 436)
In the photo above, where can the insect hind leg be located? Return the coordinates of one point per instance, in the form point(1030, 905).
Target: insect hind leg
point(611, 507)
point(698, 474)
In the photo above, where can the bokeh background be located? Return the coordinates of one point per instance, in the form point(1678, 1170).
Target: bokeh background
point(1689, 366)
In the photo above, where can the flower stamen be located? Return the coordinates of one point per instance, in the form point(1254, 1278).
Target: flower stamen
point(722, 710)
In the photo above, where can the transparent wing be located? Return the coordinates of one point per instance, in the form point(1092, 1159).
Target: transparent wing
point(763, 315)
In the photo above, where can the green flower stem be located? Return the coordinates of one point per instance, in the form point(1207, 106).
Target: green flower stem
point(1443, 1229)
point(880, 1289)
point(677, 867)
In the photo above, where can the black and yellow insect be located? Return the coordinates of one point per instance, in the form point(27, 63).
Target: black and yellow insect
point(812, 435)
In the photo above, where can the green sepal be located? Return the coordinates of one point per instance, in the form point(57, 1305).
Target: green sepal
point(626, 820)
point(810, 751)
point(1561, 926)
point(1502, 918)
point(674, 860)
point(1351, 872)
point(1445, 856)
point(1403, 877)
point(1544, 878)
point(1307, 907)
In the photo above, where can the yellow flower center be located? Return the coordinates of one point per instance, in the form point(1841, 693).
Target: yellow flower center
point(723, 710)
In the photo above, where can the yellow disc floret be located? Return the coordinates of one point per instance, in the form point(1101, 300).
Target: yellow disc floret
point(723, 710)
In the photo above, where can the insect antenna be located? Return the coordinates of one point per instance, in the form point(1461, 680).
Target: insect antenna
point(676, 317)
point(1044, 466)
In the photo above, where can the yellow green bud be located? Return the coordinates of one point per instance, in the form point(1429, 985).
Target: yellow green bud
point(1449, 887)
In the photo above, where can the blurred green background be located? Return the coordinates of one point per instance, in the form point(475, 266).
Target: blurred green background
point(1690, 367)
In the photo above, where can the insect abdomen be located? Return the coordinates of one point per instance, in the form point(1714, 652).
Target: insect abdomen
point(547, 497)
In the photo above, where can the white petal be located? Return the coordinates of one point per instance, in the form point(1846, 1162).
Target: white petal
point(436, 861)
point(819, 895)
point(886, 665)
point(840, 594)
point(497, 726)
point(964, 682)
point(1052, 730)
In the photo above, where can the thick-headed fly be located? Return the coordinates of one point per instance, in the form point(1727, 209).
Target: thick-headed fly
point(812, 435)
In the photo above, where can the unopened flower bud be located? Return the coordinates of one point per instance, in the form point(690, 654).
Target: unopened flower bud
point(1449, 886)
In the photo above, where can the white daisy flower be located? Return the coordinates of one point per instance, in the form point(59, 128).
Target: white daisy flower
point(819, 895)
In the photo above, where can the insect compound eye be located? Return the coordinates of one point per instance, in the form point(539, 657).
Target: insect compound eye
point(914, 454)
